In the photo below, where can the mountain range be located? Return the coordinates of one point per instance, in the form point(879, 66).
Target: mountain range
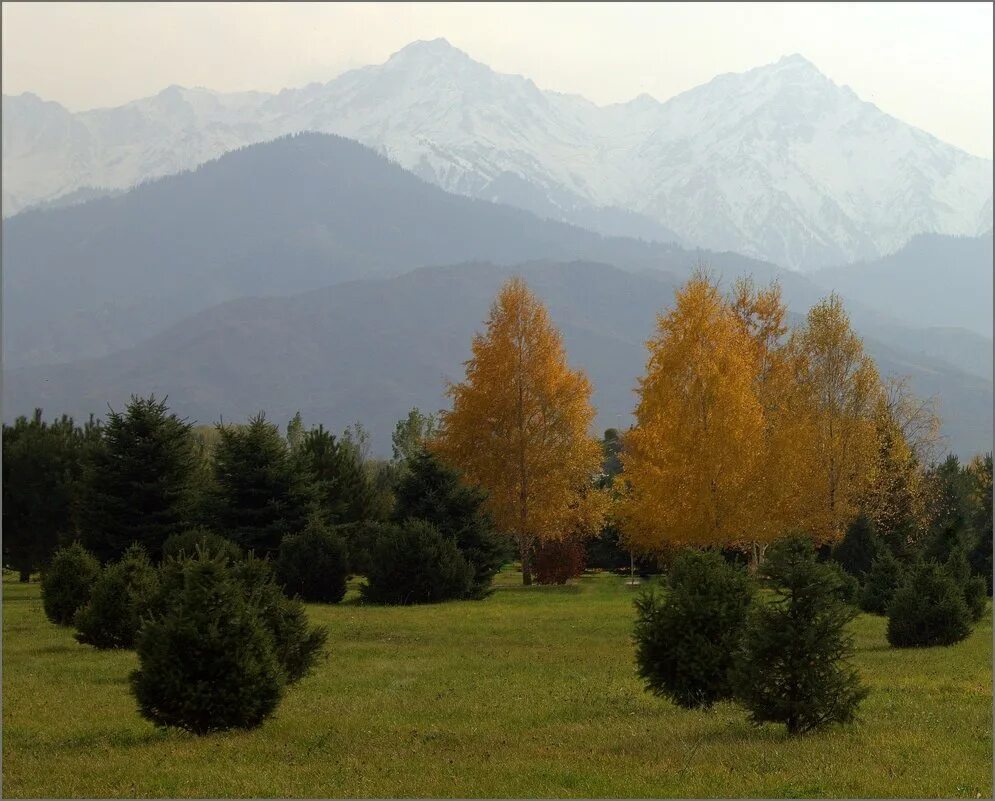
point(777, 163)
point(938, 281)
point(312, 273)
point(370, 350)
point(297, 213)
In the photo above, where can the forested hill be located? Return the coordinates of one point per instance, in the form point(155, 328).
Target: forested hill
point(370, 350)
point(286, 216)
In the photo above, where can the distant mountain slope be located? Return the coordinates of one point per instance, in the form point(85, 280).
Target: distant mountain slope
point(777, 162)
point(370, 350)
point(933, 281)
point(276, 218)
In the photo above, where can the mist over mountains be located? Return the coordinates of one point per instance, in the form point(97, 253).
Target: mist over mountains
point(344, 275)
point(370, 350)
point(933, 281)
point(777, 163)
point(297, 213)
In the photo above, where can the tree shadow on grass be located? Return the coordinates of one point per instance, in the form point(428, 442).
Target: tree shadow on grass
point(87, 741)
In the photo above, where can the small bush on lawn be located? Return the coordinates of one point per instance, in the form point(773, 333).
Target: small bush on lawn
point(976, 597)
point(847, 585)
point(208, 663)
point(884, 577)
point(928, 609)
point(432, 491)
point(974, 587)
point(359, 537)
point(67, 582)
point(558, 561)
point(314, 564)
point(413, 563)
point(859, 547)
point(792, 665)
point(121, 597)
point(187, 542)
point(685, 638)
point(298, 644)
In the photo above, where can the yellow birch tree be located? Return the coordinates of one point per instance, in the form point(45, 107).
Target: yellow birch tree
point(519, 427)
point(691, 458)
point(895, 499)
point(841, 386)
point(785, 451)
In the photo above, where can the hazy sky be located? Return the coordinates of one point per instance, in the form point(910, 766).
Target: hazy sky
point(928, 64)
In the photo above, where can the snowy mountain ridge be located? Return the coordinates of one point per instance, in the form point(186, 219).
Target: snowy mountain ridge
point(778, 162)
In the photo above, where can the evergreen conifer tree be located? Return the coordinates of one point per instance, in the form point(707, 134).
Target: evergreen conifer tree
point(314, 564)
point(414, 564)
point(884, 577)
point(858, 548)
point(686, 638)
point(67, 581)
point(343, 490)
point(432, 491)
point(261, 495)
point(792, 667)
point(207, 661)
point(120, 599)
point(139, 484)
point(40, 474)
point(928, 609)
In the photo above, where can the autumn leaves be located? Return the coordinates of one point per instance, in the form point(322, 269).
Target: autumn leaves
point(744, 430)
point(520, 424)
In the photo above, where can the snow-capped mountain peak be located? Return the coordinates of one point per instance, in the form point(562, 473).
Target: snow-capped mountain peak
point(778, 162)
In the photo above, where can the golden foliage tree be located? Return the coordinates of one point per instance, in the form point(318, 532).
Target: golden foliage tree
point(916, 418)
point(691, 459)
point(783, 468)
point(895, 497)
point(519, 427)
point(841, 387)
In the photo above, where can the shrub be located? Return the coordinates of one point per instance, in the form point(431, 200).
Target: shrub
point(208, 663)
point(121, 597)
point(359, 537)
point(928, 609)
point(314, 564)
point(67, 582)
point(884, 577)
point(847, 585)
point(976, 597)
point(858, 548)
point(298, 644)
point(973, 587)
point(685, 639)
point(413, 563)
point(791, 667)
point(981, 557)
point(432, 491)
point(187, 542)
point(557, 561)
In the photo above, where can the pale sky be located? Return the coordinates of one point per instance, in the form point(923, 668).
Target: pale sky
point(929, 64)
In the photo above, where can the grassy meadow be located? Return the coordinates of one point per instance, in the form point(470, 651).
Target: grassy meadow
point(531, 692)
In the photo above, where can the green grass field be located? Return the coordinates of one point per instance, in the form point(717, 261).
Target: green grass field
point(529, 693)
